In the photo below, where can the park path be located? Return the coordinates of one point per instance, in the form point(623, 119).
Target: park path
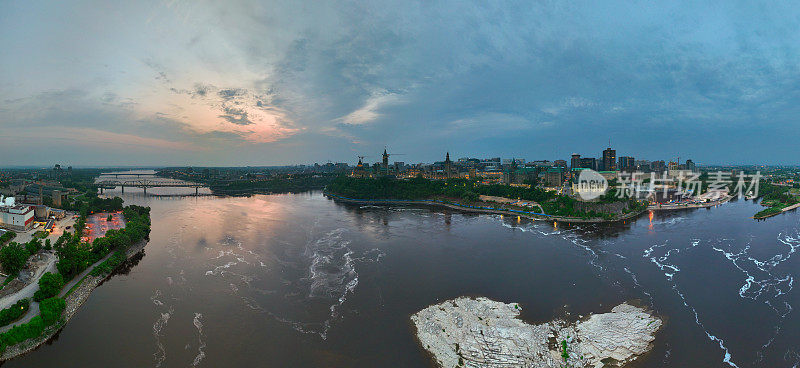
point(33, 311)
point(30, 289)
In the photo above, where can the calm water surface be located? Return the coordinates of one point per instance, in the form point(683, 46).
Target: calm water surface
point(301, 281)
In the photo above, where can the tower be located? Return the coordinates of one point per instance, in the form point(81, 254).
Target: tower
point(385, 162)
point(448, 166)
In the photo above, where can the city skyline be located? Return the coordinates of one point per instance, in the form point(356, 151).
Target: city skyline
point(236, 84)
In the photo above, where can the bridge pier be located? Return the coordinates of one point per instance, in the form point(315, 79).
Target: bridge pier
point(123, 189)
point(101, 190)
point(145, 189)
point(196, 191)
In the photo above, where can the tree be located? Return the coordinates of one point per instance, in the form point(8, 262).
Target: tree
point(51, 310)
point(50, 285)
point(33, 246)
point(13, 257)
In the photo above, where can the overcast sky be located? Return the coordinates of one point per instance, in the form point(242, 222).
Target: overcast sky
point(262, 83)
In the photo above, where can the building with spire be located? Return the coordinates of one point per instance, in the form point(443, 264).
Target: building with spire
point(385, 163)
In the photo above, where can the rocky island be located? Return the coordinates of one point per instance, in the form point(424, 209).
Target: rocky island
point(479, 332)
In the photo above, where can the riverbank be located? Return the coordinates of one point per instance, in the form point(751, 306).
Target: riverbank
point(765, 214)
point(468, 208)
point(671, 207)
point(479, 332)
point(74, 300)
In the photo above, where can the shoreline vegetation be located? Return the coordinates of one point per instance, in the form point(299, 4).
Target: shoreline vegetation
point(247, 184)
point(777, 199)
point(464, 194)
point(81, 267)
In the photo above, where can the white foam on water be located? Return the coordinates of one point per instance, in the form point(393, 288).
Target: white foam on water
point(201, 344)
point(670, 270)
point(158, 326)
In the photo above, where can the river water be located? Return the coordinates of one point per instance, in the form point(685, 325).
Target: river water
point(298, 280)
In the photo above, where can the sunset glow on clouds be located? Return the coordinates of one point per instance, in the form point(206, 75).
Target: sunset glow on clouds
point(260, 83)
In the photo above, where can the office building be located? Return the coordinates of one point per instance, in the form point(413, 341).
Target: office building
point(575, 163)
point(626, 163)
point(609, 160)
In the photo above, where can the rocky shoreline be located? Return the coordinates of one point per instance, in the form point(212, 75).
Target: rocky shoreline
point(74, 301)
point(479, 332)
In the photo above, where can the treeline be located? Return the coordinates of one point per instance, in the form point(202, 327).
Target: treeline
point(282, 184)
point(89, 202)
point(74, 256)
point(463, 190)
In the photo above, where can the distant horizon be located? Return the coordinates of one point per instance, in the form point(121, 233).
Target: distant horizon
point(131, 167)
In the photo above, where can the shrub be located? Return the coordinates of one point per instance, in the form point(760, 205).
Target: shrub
point(8, 235)
point(14, 312)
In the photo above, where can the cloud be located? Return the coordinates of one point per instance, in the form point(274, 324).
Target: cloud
point(231, 93)
point(100, 138)
point(497, 78)
point(236, 116)
point(370, 111)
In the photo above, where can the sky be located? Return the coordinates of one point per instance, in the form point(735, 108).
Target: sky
point(235, 83)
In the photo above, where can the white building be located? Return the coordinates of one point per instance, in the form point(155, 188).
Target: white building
point(18, 218)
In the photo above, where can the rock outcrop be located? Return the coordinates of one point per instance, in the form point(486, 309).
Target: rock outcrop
point(478, 332)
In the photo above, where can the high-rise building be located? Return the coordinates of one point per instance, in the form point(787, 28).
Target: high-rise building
point(560, 163)
point(609, 160)
point(691, 166)
point(589, 163)
point(626, 163)
point(576, 161)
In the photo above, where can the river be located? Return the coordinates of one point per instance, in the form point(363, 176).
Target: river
point(298, 280)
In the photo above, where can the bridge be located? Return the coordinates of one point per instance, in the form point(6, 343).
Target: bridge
point(127, 174)
point(144, 184)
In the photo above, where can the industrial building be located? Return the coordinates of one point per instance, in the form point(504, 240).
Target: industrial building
point(15, 217)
